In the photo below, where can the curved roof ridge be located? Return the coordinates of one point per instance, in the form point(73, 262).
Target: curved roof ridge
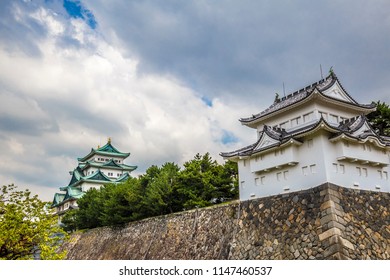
point(274, 133)
point(111, 162)
point(303, 93)
point(292, 98)
point(107, 150)
point(98, 176)
point(122, 178)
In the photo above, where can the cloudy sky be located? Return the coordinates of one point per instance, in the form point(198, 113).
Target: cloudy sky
point(167, 79)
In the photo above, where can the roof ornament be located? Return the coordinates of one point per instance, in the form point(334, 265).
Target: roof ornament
point(109, 140)
point(331, 72)
point(277, 98)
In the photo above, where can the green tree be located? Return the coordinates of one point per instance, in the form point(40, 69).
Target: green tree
point(227, 182)
point(380, 119)
point(122, 203)
point(69, 220)
point(27, 227)
point(90, 209)
point(161, 190)
point(162, 195)
point(112, 204)
point(204, 182)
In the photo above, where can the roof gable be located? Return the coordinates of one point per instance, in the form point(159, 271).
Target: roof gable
point(111, 163)
point(73, 193)
point(97, 176)
point(77, 174)
point(58, 198)
point(336, 91)
point(123, 178)
point(267, 139)
point(106, 150)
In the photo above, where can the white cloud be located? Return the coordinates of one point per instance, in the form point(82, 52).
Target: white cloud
point(74, 98)
point(166, 81)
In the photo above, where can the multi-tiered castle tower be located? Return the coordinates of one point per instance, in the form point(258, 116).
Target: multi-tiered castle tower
point(101, 166)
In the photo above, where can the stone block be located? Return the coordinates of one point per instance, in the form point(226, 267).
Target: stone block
point(328, 218)
point(333, 250)
point(334, 193)
point(324, 192)
point(346, 243)
point(335, 224)
point(330, 232)
point(327, 204)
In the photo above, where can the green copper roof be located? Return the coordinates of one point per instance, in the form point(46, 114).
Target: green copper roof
point(123, 178)
point(97, 176)
point(109, 164)
point(58, 198)
point(72, 192)
point(77, 174)
point(113, 164)
point(106, 150)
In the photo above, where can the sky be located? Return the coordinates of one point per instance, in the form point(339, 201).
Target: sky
point(166, 80)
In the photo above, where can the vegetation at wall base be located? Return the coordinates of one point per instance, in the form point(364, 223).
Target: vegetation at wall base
point(161, 190)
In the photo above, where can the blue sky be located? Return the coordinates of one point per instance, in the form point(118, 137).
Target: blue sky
point(76, 9)
point(167, 79)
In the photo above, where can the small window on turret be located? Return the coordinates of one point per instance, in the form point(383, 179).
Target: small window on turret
point(296, 121)
point(333, 118)
point(308, 117)
point(283, 125)
point(279, 176)
point(309, 143)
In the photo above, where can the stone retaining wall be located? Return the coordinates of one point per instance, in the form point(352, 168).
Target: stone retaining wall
point(326, 222)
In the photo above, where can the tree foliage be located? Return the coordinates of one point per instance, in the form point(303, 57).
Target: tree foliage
point(380, 119)
point(161, 190)
point(162, 196)
point(27, 228)
point(204, 182)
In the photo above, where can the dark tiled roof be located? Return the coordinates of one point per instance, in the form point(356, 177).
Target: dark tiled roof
point(302, 94)
point(347, 127)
